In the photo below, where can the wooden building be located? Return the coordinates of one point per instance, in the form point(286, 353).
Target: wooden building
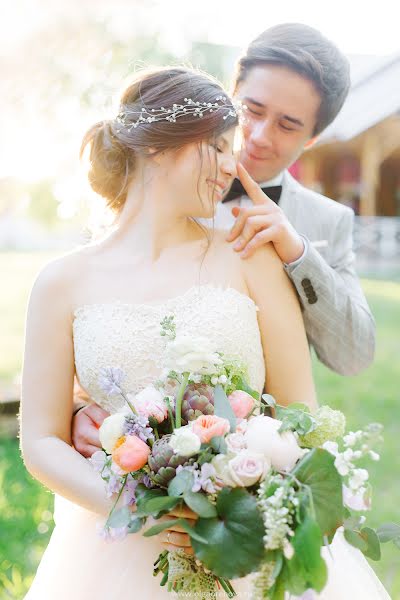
point(356, 160)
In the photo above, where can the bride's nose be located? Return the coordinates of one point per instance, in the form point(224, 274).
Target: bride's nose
point(228, 166)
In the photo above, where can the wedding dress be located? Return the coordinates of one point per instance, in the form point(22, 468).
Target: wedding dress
point(78, 564)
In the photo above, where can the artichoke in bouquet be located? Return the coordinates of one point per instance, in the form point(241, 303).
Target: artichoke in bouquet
point(198, 400)
point(163, 462)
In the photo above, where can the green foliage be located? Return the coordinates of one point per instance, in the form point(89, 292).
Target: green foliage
point(306, 569)
point(200, 504)
point(222, 406)
point(317, 472)
point(239, 527)
point(26, 522)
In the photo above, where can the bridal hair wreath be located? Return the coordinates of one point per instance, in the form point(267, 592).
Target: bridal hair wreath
point(131, 118)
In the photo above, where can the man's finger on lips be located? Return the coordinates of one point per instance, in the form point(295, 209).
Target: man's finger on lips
point(261, 238)
point(252, 188)
point(252, 227)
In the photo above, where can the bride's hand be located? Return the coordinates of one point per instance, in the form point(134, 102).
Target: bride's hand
point(175, 538)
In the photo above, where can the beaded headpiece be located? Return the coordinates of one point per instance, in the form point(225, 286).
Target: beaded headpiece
point(131, 118)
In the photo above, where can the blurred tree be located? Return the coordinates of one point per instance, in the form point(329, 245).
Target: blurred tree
point(43, 205)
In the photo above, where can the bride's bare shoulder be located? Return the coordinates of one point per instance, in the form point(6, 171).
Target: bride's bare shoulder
point(60, 276)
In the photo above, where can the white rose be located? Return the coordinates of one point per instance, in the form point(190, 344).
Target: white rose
point(281, 449)
point(184, 442)
point(221, 466)
point(246, 468)
point(111, 430)
point(188, 354)
point(235, 442)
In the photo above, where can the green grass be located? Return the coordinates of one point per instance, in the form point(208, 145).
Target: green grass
point(26, 508)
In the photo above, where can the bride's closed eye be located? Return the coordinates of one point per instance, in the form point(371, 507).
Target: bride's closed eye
point(216, 147)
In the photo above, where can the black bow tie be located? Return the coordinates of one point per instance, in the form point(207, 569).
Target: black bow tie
point(273, 191)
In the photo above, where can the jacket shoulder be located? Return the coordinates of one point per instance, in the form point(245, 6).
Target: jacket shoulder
point(321, 205)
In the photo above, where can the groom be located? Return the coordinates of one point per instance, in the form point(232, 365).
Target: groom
point(293, 82)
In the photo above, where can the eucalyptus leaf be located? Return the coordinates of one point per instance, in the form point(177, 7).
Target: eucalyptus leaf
point(388, 532)
point(355, 539)
point(239, 526)
point(296, 419)
point(373, 550)
point(143, 494)
point(222, 407)
point(269, 400)
point(135, 524)
point(119, 518)
point(156, 505)
point(317, 471)
point(200, 504)
point(181, 483)
point(159, 527)
point(218, 444)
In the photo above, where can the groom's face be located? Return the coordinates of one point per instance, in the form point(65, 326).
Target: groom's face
point(279, 119)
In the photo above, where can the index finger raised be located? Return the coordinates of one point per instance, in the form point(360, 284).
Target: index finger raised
point(252, 188)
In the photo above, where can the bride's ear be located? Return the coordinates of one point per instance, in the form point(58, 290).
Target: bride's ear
point(154, 155)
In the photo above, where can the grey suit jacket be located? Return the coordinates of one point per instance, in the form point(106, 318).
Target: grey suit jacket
point(337, 318)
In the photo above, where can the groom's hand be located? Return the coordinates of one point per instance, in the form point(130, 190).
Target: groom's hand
point(85, 429)
point(263, 222)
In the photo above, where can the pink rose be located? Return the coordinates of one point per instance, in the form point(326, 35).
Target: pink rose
point(242, 403)
point(209, 426)
point(130, 453)
point(150, 403)
point(247, 468)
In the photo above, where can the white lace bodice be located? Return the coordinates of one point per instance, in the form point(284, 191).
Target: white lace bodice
point(128, 336)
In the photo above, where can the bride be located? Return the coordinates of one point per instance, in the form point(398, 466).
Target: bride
point(163, 163)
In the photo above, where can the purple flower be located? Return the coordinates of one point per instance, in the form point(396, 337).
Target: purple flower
point(113, 485)
point(128, 495)
point(139, 426)
point(147, 481)
point(203, 479)
point(98, 460)
point(111, 534)
point(110, 380)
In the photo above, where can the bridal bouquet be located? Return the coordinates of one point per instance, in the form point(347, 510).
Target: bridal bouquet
point(268, 492)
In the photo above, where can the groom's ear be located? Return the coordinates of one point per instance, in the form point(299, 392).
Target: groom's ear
point(310, 142)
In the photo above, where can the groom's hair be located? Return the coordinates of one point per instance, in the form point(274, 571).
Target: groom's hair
point(307, 52)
